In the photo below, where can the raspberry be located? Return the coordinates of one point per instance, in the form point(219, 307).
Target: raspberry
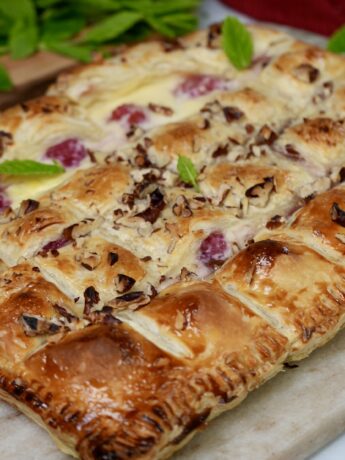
point(213, 249)
point(130, 114)
point(70, 153)
point(5, 202)
point(199, 85)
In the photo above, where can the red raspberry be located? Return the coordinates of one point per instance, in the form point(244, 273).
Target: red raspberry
point(199, 85)
point(70, 153)
point(213, 249)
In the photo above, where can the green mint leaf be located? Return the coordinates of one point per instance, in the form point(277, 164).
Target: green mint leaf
point(237, 43)
point(337, 41)
point(187, 172)
point(182, 23)
point(112, 27)
point(62, 29)
point(5, 80)
point(29, 168)
point(16, 9)
point(78, 52)
point(162, 7)
point(159, 26)
point(23, 39)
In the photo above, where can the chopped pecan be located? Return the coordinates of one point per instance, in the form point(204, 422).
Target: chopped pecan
point(306, 73)
point(91, 297)
point(64, 313)
point(28, 206)
point(275, 222)
point(182, 207)
point(35, 325)
point(337, 214)
point(187, 275)
point(6, 140)
point(112, 258)
point(124, 283)
point(220, 151)
point(259, 193)
point(161, 109)
point(133, 300)
point(232, 113)
point(291, 152)
point(128, 199)
point(214, 32)
point(157, 205)
point(89, 260)
point(266, 135)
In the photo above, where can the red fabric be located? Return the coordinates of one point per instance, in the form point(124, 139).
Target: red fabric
point(320, 16)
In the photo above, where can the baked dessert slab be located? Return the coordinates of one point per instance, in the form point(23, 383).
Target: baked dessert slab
point(107, 390)
point(136, 307)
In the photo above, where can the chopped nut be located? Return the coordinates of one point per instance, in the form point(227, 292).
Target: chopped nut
point(232, 113)
point(35, 325)
point(91, 297)
point(157, 204)
point(124, 283)
point(112, 258)
point(266, 136)
point(28, 206)
point(161, 109)
point(181, 208)
point(306, 73)
point(337, 214)
point(259, 194)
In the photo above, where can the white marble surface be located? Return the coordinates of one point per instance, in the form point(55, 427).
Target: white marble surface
point(287, 419)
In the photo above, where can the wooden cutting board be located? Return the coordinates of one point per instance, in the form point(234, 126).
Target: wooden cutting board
point(289, 418)
point(32, 76)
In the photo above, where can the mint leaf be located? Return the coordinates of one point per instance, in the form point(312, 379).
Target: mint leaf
point(237, 43)
point(72, 50)
point(187, 172)
point(62, 29)
point(16, 9)
point(5, 80)
point(23, 38)
point(337, 41)
point(112, 27)
point(29, 168)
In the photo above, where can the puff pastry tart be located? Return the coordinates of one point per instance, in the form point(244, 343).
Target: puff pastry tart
point(135, 308)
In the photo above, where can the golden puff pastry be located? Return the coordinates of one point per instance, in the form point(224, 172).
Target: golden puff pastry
point(107, 391)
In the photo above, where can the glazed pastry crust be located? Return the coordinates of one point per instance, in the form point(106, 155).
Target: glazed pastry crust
point(134, 307)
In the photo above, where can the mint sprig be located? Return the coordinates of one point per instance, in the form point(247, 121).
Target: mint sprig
point(78, 28)
point(187, 172)
point(29, 168)
point(336, 43)
point(237, 43)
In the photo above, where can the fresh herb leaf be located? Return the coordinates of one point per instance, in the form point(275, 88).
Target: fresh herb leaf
point(78, 52)
point(337, 41)
point(62, 29)
point(29, 168)
point(162, 7)
point(112, 27)
point(5, 80)
point(159, 25)
point(58, 25)
point(237, 43)
point(23, 39)
point(187, 172)
point(16, 9)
